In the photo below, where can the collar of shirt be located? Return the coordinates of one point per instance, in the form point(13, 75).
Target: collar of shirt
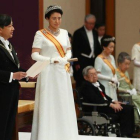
point(91, 41)
point(88, 31)
point(97, 85)
point(5, 42)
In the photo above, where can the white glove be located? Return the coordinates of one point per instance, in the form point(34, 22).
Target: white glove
point(104, 77)
point(62, 61)
point(134, 92)
point(68, 55)
point(129, 91)
point(137, 63)
point(37, 57)
point(114, 79)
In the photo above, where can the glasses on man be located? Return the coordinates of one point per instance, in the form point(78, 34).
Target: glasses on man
point(90, 23)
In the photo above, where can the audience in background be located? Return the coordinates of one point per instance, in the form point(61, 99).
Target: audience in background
point(94, 92)
point(85, 47)
point(105, 66)
point(125, 87)
point(100, 28)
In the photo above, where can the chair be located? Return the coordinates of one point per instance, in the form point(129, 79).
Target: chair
point(126, 98)
point(104, 125)
point(85, 127)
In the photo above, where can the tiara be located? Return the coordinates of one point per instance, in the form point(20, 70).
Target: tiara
point(110, 39)
point(52, 8)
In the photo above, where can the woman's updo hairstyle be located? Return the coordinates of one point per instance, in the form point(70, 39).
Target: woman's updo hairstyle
point(52, 9)
point(106, 40)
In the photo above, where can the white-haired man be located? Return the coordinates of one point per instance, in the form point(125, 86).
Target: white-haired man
point(85, 47)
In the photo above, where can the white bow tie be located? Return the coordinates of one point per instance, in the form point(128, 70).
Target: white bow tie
point(96, 84)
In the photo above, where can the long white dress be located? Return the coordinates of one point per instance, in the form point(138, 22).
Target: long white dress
point(54, 113)
point(104, 69)
point(136, 76)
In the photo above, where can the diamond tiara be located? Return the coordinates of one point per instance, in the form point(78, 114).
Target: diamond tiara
point(52, 8)
point(109, 39)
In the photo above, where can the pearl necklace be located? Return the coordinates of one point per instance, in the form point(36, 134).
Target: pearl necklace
point(54, 33)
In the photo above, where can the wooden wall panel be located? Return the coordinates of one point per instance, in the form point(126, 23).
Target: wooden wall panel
point(87, 6)
point(110, 17)
point(41, 14)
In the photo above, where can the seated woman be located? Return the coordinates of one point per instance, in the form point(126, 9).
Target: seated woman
point(125, 86)
point(105, 66)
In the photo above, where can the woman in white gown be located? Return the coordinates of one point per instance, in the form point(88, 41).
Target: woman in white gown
point(54, 113)
point(136, 59)
point(105, 66)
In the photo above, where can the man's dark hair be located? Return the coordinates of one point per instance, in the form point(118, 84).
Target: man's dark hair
point(98, 25)
point(5, 20)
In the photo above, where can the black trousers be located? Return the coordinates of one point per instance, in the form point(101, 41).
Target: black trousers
point(8, 108)
point(125, 118)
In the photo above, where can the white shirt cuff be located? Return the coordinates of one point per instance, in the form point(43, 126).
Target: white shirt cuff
point(11, 77)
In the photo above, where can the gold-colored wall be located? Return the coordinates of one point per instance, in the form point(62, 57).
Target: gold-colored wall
point(127, 25)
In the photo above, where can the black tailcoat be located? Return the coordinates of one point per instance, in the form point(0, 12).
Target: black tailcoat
point(9, 92)
point(81, 45)
point(91, 94)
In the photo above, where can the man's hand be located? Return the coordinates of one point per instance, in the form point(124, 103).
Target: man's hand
point(77, 67)
point(19, 75)
point(116, 107)
point(117, 102)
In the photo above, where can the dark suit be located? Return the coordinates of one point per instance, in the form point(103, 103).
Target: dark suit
point(9, 93)
point(81, 45)
point(91, 94)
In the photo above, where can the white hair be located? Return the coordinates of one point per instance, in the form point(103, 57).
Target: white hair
point(86, 69)
point(89, 16)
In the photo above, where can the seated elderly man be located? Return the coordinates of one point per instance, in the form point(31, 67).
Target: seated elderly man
point(94, 92)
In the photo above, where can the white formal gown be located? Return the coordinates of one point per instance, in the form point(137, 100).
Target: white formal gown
point(54, 113)
point(136, 77)
point(104, 69)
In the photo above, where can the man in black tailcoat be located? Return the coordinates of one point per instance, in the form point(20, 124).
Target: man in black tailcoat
point(9, 76)
point(85, 47)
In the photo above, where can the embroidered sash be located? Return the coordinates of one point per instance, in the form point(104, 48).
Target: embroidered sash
point(108, 63)
point(58, 46)
point(123, 75)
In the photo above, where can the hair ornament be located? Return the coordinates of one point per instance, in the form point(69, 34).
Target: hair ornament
point(52, 7)
point(110, 39)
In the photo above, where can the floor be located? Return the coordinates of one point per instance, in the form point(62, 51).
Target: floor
point(26, 136)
